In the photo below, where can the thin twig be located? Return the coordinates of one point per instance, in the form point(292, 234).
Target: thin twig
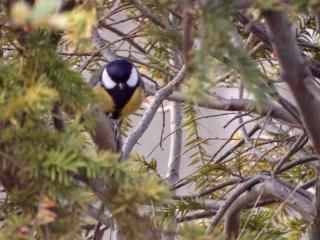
point(162, 94)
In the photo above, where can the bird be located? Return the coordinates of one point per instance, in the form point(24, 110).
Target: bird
point(119, 88)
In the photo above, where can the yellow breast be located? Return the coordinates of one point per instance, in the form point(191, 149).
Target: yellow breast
point(105, 101)
point(134, 103)
point(107, 105)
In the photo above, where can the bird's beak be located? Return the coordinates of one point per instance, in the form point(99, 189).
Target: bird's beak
point(121, 86)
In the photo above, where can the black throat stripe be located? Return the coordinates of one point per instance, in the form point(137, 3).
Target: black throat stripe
point(120, 97)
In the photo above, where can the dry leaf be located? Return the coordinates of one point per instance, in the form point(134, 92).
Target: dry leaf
point(46, 211)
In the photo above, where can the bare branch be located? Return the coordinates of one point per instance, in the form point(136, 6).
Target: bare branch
point(150, 112)
point(194, 216)
point(298, 162)
point(296, 73)
point(267, 190)
point(175, 143)
point(232, 216)
point(301, 141)
point(107, 53)
point(119, 33)
point(230, 181)
point(245, 105)
point(261, 32)
point(147, 12)
point(314, 231)
point(238, 191)
point(291, 197)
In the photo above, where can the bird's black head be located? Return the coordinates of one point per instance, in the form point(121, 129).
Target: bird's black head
point(120, 74)
point(119, 70)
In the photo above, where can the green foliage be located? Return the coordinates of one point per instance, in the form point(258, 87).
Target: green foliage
point(46, 163)
point(68, 83)
point(195, 143)
point(283, 226)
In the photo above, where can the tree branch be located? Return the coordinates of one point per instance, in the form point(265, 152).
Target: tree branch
point(147, 12)
point(119, 33)
point(232, 216)
point(291, 197)
point(296, 73)
point(314, 231)
point(269, 189)
point(245, 105)
point(150, 112)
point(194, 216)
point(261, 32)
point(107, 53)
point(238, 191)
point(301, 141)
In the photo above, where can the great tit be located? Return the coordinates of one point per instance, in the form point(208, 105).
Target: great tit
point(119, 88)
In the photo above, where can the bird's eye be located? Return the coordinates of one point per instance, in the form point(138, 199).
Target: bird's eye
point(133, 79)
point(107, 81)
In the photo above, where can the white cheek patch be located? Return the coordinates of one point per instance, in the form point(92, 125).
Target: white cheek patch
point(107, 81)
point(134, 78)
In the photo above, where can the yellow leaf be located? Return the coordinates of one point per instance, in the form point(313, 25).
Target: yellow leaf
point(35, 97)
point(81, 22)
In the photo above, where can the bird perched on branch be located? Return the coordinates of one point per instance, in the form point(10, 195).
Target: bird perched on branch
point(119, 88)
